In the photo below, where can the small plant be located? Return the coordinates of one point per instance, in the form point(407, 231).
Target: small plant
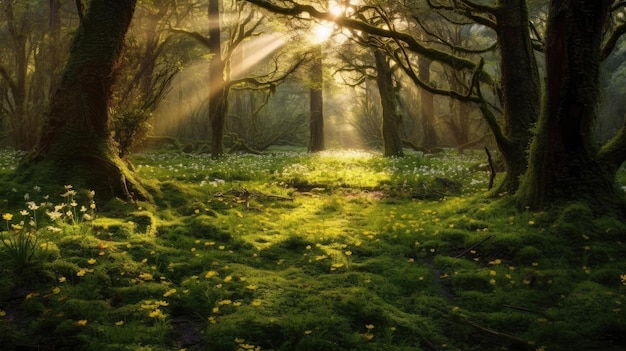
point(20, 242)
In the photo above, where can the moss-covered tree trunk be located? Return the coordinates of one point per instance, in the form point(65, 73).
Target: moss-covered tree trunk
point(392, 142)
point(75, 146)
point(521, 89)
point(218, 98)
point(564, 163)
point(316, 136)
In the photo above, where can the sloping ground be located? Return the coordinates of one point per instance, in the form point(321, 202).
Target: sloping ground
point(336, 251)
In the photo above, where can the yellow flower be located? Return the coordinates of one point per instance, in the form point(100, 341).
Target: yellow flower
point(7, 216)
point(348, 253)
point(56, 290)
point(146, 276)
point(228, 279)
point(92, 261)
point(156, 313)
point(81, 272)
point(225, 302)
point(623, 278)
point(256, 303)
point(254, 287)
point(62, 279)
point(82, 322)
point(308, 332)
point(169, 292)
point(369, 326)
point(118, 323)
point(210, 274)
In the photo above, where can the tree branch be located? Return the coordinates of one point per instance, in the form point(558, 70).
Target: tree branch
point(411, 43)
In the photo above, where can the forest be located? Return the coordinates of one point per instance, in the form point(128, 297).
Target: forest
point(313, 175)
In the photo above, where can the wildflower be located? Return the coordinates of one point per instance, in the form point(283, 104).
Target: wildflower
point(228, 279)
point(56, 290)
point(308, 332)
point(24, 213)
point(169, 292)
point(210, 274)
point(225, 302)
point(81, 272)
point(156, 313)
point(256, 303)
point(146, 276)
point(623, 278)
point(348, 253)
point(118, 323)
point(254, 287)
point(92, 261)
point(32, 205)
point(497, 261)
point(31, 295)
point(62, 279)
point(54, 215)
point(3, 313)
point(369, 326)
point(82, 322)
point(7, 216)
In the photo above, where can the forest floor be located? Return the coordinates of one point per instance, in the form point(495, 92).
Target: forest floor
point(340, 250)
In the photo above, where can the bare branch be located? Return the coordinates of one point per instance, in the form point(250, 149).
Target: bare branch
point(410, 42)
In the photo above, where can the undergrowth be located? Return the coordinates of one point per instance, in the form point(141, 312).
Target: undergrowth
point(292, 251)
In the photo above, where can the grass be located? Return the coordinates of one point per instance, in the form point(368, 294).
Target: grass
point(291, 251)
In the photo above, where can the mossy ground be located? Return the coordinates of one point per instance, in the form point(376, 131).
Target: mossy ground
point(332, 251)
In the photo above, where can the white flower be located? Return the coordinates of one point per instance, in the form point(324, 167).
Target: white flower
point(54, 215)
point(27, 196)
point(32, 205)
point(24, 213)
point(53, 229)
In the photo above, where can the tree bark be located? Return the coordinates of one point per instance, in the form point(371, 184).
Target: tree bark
point(218, 95)
point(521, 89)
point(316, 137)
point(564, 162)
point(427, 106)
point(75, 146)
point(392, 142)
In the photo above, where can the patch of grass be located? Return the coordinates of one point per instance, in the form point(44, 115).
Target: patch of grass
point(328, 251)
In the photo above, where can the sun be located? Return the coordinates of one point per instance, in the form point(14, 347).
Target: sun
point(322, 32)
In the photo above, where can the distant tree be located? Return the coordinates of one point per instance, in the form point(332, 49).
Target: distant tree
point(392, 140)
point(316, 103)
point(75, 145)
point(220, 81)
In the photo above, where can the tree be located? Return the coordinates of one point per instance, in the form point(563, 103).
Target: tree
point(565, 163)
point(75, 146)
point(316, 119)
point(392, 142)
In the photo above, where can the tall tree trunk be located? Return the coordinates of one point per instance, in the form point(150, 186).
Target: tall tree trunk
point(316, 138)
point(521, 89)
point(564, 163)
point(392, 142)
point(218, 93)
point(428, 106)
point(75, 145)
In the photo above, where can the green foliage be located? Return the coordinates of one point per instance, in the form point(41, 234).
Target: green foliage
point(310, 259)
